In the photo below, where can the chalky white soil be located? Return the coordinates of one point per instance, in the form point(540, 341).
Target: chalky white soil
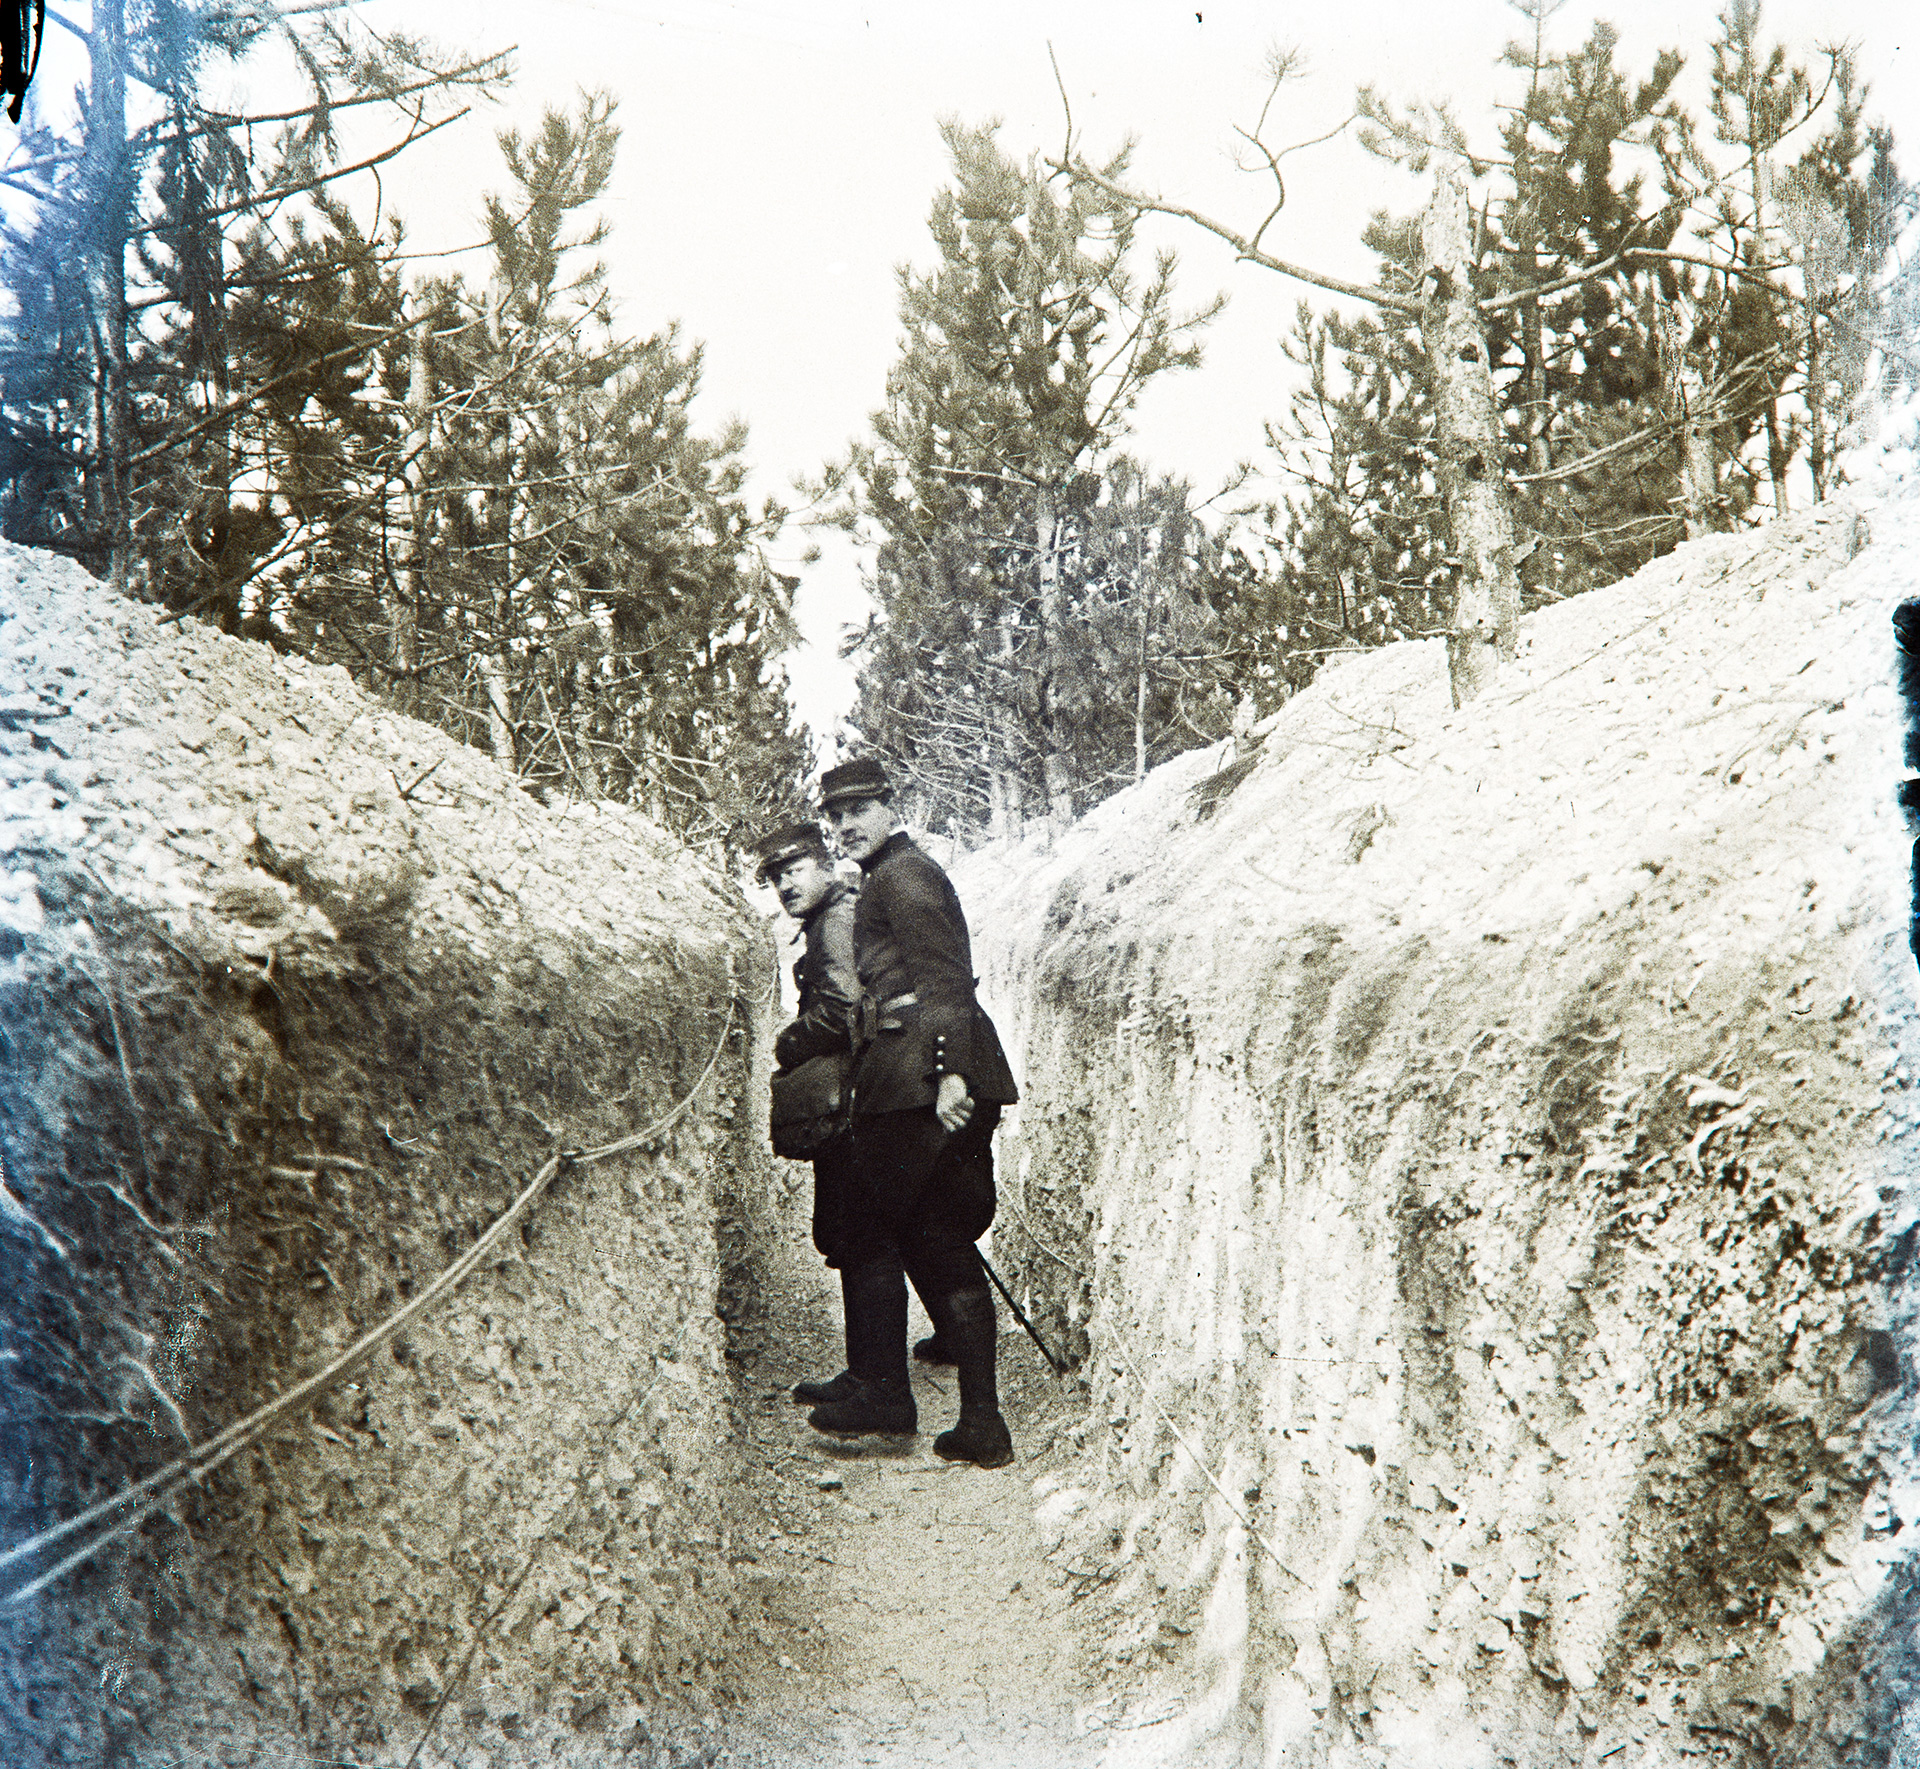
point(194, 772)
point(547, 1529)
point(295, 995)
point(1472, 1150)
point(915, 1619)
point(1468, 1148)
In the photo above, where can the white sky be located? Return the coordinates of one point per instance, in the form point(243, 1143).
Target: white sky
point(779, 158)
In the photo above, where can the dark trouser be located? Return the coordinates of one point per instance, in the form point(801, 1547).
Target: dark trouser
point(834, 1200)
point(922, 1197)
point(870, 1268)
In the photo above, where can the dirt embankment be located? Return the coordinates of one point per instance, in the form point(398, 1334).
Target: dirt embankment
point(1472, 1150)
point(295, 996)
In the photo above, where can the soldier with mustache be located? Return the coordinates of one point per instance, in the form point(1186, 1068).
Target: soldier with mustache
point(929, 1083)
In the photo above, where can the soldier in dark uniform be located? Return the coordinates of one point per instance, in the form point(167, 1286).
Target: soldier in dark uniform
point(796, 863)
point(929, 1083)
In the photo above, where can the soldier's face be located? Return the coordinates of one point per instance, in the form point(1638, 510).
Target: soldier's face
point(800, 884)
point(860, 825)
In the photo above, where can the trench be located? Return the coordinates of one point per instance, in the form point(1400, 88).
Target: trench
point(380, 1579)
point(348, 1591)
point(1476, 1366)
point(908, 1611)
point(282, 1044)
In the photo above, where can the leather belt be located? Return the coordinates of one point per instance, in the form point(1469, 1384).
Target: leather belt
point(870, 1014)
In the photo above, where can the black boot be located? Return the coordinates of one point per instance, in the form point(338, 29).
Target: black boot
point(880, 1397)
point(818, 1392)
point(873, 1408)
point(980, 1435)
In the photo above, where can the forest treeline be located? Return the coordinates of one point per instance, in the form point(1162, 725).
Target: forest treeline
point(225, 391)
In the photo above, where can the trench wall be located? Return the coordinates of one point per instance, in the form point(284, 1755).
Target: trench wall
point(1470, 1152)
point(295, 996)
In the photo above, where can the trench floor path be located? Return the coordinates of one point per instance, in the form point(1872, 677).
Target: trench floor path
point(914, 1618)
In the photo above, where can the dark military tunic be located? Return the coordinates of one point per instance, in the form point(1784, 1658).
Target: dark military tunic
point(828, 983)
point(829, 993)
point(924, 1193)
point(916, 963)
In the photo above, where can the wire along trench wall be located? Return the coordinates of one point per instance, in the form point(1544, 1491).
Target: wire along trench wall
point(281, 1040)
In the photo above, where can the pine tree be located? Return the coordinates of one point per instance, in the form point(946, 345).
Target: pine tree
point(580, 588)
point(1646, 392)
point(1574, 345)
point(1362, 534)
point(485, 503)
point(123, 393)
point(1795, 196)
point(1581, 364)
point(1026, 348)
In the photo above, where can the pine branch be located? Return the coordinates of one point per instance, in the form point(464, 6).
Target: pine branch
point(1500, 303)
point(471, 73)
point(213, 419)
point(267, 198)
point(1079, 171)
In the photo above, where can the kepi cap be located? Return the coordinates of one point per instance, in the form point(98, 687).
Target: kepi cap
point(860, 779)
point(790, 843)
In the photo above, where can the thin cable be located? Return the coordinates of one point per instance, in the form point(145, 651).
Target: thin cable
point(1020, 1216)
point(149, 1494)
point(1246, 1522)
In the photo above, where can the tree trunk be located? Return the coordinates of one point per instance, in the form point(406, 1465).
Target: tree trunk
point(1472, 443)
point(1057, 764)
point(1816, 406)
point(584, 715)
point(1539, 418)
point(1686, 395)
point(499, 710)
point(107, 152)
point(1533, 330)
point(495, 658)
point(1756, 255)
point(1140, 723)
point(1003, 768)
point(410, 586)
point(1140, 681)
point(1776, 458)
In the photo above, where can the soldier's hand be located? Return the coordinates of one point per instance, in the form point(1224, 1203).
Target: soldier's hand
point(954, 1107)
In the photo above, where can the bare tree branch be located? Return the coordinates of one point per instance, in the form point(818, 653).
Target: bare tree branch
point(1080, 171)
point(345, 353)
point(267, 198)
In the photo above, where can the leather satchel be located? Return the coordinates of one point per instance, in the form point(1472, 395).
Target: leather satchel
point(811, 1105)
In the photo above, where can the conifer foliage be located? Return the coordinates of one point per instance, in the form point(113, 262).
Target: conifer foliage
point(1046, 608)
point(1681, 313)
point(137, 233)
point(223, 393)
point(571, 578)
